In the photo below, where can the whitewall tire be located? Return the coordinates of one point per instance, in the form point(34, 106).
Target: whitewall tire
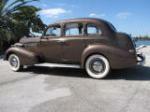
point(14, 62)
point(97, 66)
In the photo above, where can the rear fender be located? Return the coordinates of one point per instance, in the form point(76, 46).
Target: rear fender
point(110, 52)
point(26, 57)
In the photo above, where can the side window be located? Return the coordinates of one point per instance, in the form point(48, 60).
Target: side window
point(92, 29)
point(53, 31)
point(73, 29)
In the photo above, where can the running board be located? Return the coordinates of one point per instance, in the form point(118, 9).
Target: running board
point(57, 65)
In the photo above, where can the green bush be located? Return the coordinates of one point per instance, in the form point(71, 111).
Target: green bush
point(16, 20)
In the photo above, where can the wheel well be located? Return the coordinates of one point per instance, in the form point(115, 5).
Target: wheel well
point(7, 56)
point(38, 58)
point(94, 54)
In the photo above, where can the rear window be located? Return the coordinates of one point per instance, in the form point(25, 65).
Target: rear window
point(92, 29)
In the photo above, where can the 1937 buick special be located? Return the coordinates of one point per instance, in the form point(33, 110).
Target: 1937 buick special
point(92, 44)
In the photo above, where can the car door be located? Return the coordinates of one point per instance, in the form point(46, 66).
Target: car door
point(74, 43)
point(94, 34)
point(77, 37)
point(50, 44)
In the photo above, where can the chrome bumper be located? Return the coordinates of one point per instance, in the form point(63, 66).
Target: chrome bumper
point(140, 59)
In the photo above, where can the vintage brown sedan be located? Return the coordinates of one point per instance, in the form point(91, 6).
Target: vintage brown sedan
point(92, 44)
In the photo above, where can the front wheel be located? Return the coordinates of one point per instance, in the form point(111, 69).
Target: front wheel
point(14, 62)
point(97, 66)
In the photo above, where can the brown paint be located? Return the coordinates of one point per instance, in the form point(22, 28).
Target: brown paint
point(113, 45)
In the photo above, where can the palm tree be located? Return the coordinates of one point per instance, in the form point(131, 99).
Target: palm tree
point(16, 19)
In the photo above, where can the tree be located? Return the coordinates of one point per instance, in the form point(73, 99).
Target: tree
point(16, 19)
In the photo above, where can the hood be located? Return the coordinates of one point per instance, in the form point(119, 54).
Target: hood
point(29, 40)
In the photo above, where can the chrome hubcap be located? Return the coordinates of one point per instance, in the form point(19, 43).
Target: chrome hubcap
point(13, 62)
point(97, 66)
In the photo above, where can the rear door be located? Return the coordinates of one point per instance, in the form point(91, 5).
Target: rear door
point(74, 42)
point(93, 34)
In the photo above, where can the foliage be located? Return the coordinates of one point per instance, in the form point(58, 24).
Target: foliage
point(16, 20)
point(145, 37)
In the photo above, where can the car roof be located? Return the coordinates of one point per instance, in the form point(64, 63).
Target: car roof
point(102, 23)
point(81, 20)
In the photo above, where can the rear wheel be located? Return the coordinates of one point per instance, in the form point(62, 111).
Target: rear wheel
point(14, 62)
point(97, 66)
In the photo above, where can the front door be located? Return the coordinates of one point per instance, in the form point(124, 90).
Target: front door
point(51, 47)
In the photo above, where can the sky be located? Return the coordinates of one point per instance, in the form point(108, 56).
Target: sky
point(130, 16)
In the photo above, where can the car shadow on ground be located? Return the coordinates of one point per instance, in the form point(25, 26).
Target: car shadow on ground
point(1, 57)
point(56, 71)
point(138, 73)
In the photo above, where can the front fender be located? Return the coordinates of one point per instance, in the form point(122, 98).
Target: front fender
point(112, 53)
point(26, 57)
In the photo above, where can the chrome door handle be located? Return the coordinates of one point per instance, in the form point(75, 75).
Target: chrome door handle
point(62, 42)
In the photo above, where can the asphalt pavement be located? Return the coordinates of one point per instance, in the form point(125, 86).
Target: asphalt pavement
point(44, 89)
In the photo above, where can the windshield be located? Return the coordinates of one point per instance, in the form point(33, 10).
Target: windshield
point(36, 34)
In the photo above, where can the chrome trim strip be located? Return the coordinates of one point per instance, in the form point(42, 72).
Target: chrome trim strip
point(55, 65)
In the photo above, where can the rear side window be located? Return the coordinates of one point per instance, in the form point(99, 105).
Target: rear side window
point(92, 29)
point(73, 29)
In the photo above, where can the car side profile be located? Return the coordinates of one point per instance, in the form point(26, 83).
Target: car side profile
point(92, 44)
